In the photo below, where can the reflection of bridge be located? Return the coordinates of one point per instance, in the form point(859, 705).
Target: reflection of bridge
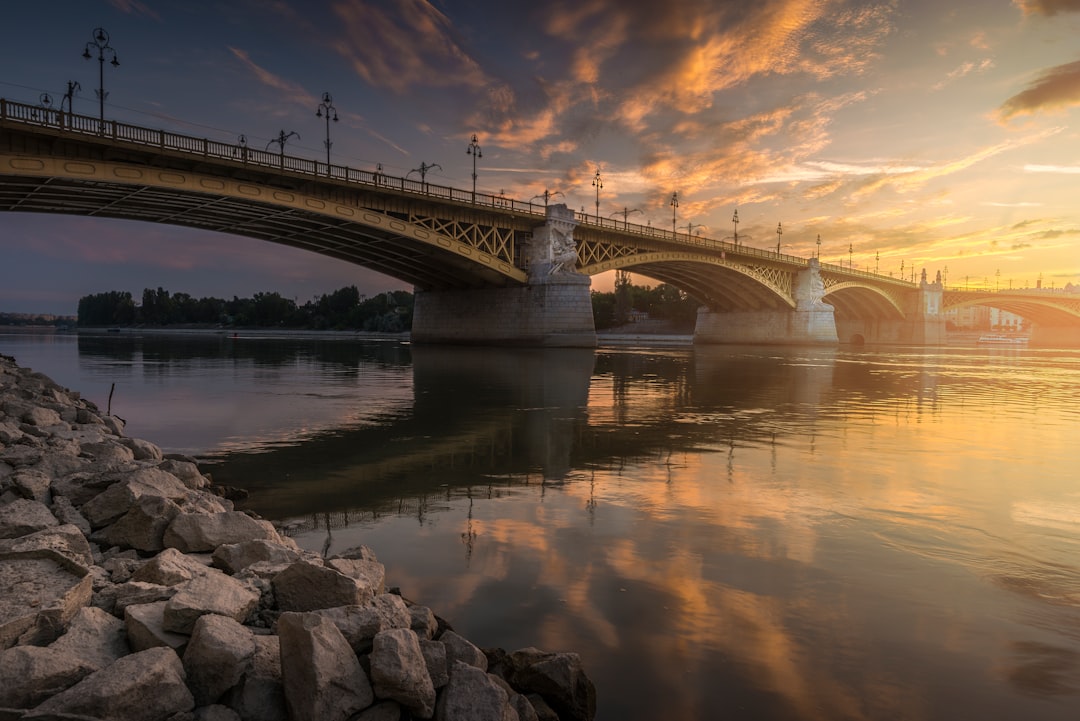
point(486, 268)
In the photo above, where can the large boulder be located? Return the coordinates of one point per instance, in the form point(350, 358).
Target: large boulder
point(558, 677)
point(40, 591)
point(67, 540)
point(212, 593)
point(145, 625)
point(169, 568)
point(398, 671)
point(94, 637)
point(198, 532)
point(473, 695)
point(260, 695)
point(235, 557)
point(145, 686)
point(459, 648)
point(23, 516)
point(360, 623)
point(143, 526)
point(307, 586)
point(31, 674)
point(217, 657)
point(322, 677)
point(112, 503)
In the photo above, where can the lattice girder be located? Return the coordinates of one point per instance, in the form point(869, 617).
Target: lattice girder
point(493, 240)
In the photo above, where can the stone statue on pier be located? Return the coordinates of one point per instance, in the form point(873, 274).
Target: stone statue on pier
point(552, 249)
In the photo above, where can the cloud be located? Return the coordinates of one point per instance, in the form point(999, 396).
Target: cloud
point(1062, 169)
point(401, 45)
point(134, 7)
point(965, 69)
point(1047, 7)
point(292, 91)
point(1057, 88)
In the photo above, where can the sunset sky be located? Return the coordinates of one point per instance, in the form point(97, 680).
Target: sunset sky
point(935, 134)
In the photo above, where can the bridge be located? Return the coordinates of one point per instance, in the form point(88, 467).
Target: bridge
point(485, 268)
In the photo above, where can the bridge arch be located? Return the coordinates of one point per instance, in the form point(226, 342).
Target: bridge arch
point(855, 299)
point(716, 282)
point(381, 241)
point(1038, 307)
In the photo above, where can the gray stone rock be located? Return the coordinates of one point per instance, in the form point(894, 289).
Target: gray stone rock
point(435, 659)
point(116, 598)
point(145, 624)
point(186, 471)
point(40, 592)
point(557, 676)
point(143, 526)
point(382, 711)
point(145, 686)
point(67, 540)
point(142, 450)
point(525, 710)
point(371, 574)
point(94, 637)
point(170, 567)
point(212, 593)
point(423, 621)
point(260, 695)
point(107, 454)
point(38, 416)
point(398, 671)
point(22, 455)
point(196, 532)
point(31, 674)
point(541, 708)
point(33, 484)
point(305, 586)
point(322, 677)
point(459, 648)
point(23, 516)
point(217, 657)
point(358, 553)
point(473, 695)
point(67, 514)
point(234, 557)
point(112, 503)
point(360, 623)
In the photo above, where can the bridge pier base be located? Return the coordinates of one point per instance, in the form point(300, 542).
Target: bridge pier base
point(811, 322)
point(554, 310)
point(922, 324)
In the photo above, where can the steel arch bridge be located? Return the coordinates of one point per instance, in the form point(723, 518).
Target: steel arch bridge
point(1041, 307)
point(434, 237)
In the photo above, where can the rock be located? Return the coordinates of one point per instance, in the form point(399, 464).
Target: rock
point(67, 514)
point(260, 695)
point(116, 599)
point(212, 593)
point(67, 540)
point(145, 624)
point(23, 516)
point(143, 526)
point(322, 677)
point(94, 637)
point(195, 532)
point(31, 674)
point(360, 623)
point(234, 557)
point(112, 503)
point(142, 450)
point(107, 455)
point(358, 553)
point(472, 695)
point(382, 711)
point(33, 485)
point(145, 686)
point(435, 659)
point(525, 709)
point(186, 471)
point(370, 573)
point(559, 678)
point(541, 708)
point(459, 648)
point(217, 656)
point(213, 712)
point(398, 671)
point(305, 586)
point(40, 591)
point(169, 568)
point(38, 416)
point(423, 621)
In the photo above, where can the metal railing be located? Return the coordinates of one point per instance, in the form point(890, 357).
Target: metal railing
point(116, 131)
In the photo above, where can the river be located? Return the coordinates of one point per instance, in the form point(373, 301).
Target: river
point(760, 533)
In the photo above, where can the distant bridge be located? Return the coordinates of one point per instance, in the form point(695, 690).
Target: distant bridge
point(459, 249)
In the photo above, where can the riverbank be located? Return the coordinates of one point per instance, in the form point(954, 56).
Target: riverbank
point(131, 588)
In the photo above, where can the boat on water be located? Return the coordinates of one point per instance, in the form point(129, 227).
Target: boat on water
point(1002, 340)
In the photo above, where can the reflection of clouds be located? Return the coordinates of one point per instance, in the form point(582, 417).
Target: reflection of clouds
point(1043, 670)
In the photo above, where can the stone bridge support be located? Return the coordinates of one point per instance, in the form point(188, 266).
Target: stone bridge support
point(811, 322)
point(922, 324)
point(554, 309)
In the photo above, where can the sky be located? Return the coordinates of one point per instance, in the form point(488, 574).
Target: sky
point(903, 133)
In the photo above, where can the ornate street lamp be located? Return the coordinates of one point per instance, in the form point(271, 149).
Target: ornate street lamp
point(326, 107)
point(474, 151)
point(100, 40)
point(779, 232)
point(72, 88)
point(735, 220)
point(546, 195)
point(598, 183)
point(674, 207)
point(819, 252)
point(424, 167)
point(281, 139)
point(690, 228)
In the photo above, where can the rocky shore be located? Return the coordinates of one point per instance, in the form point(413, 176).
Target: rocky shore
point(130, 588)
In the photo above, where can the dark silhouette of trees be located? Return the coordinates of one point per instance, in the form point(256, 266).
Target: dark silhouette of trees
point(661, 302)
point(344, 309)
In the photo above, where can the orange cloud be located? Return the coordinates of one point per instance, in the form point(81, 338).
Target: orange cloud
point(1056, 88)
point(1047, 7)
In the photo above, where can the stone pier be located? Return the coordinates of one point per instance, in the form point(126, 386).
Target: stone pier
point(810, 322)
point(922, 324)
point(553, 310)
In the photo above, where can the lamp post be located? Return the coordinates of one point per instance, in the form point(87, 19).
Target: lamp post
point(424, 167)
point(674, 207)
point(819, 247)
point(100, 40)
point(735, 220)
point(474, 151)
point(598, 183)
point(779, 232)
point(850, 251)
point(546, 195)
point(281, 139)
point(625, 213)
point(72, 88)
point(326, 107)
point(690, 228)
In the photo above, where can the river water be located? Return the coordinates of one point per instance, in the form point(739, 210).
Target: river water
point(723, 532)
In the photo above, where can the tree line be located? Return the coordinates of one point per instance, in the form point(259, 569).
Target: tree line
point(345, 308)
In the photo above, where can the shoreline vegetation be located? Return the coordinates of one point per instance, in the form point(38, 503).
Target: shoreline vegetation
point(131, 587)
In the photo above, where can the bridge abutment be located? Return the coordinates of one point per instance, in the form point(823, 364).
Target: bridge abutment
point(810, 322)
point(554, 309)
point(922, 324)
